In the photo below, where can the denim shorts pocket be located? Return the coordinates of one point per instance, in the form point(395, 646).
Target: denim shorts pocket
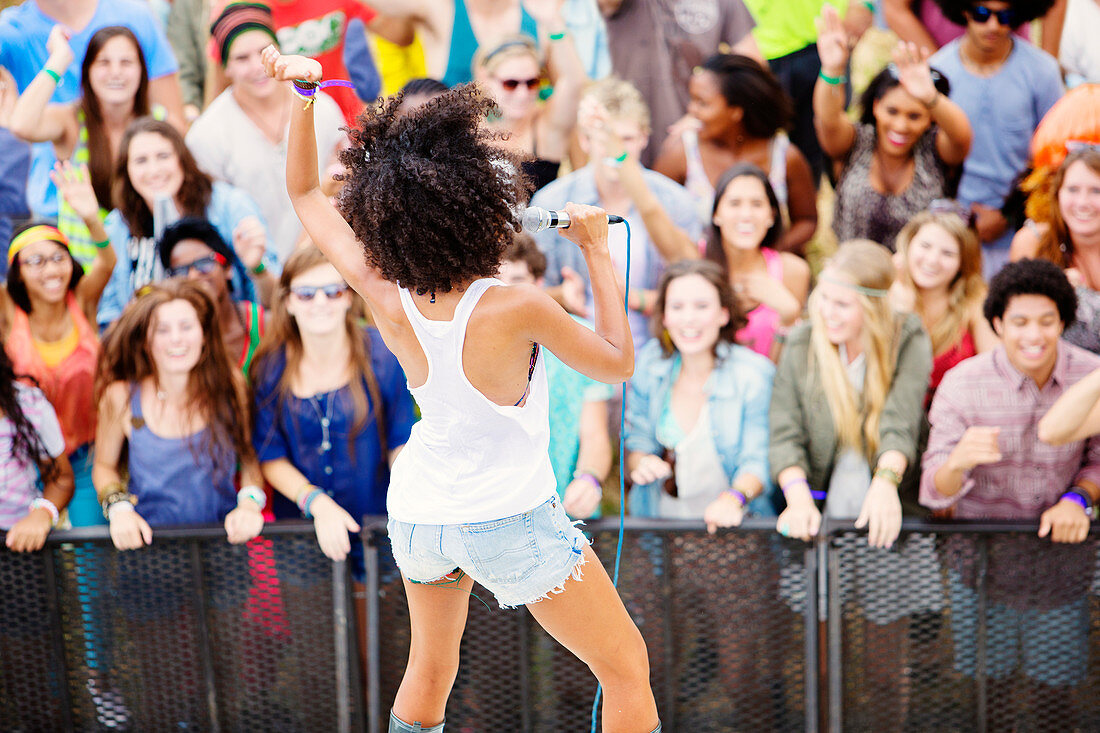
point(505, 548)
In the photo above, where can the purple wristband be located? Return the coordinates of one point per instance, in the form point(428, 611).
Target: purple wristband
point(739, 495)
point(1076, 499)
point(590, 477)
point(817, 495)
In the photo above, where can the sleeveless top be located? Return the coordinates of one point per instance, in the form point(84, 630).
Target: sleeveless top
point(175, 479)
point(864, 213)
point(70, 385)
point(759, 333)
point(68, 221)
point(468, 459)
point(698, 184)
point(962, 349)
point(460, 55)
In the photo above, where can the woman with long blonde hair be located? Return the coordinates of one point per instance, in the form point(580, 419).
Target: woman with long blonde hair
point(939, 262)
point(846, 407)
point(846, 417)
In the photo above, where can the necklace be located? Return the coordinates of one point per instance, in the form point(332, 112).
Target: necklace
point(325, 418)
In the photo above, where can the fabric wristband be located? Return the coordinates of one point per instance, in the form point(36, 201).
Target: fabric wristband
point(737, 494)
point(832, 80)
point(255, 493)
point(307, 502)
point(1076, 499)
point(589, 477)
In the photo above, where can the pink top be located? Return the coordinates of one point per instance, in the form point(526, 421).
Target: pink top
point(759, 334)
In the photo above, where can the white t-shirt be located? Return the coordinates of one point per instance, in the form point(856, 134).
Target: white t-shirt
point(1079, 50)
point(229, 146)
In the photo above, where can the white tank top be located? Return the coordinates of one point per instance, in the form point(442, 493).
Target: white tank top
point(468, 459)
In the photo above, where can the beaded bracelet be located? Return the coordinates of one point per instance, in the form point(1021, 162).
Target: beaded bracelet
point(832, 80)
point(42, 502)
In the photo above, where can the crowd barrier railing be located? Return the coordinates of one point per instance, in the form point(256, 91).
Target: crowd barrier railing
point(961, 626)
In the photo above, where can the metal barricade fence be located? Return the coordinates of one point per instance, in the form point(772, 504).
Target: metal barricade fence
point(190, 633)
point(729, 621)
point(959, 627)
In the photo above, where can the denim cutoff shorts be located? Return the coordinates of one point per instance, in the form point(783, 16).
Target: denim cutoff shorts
point(521, 559)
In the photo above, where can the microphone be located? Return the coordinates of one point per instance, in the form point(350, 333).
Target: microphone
point(537, 219)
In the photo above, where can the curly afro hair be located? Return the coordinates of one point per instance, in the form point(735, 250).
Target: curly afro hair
point(1031, 277)
point(1023, 11)
point(429, 196)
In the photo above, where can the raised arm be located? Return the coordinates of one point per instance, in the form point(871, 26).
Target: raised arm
point(915, 76)
point(319, 217)
point(75, 186)
point(34, 119)
point(904, 22)
point(566, 74)
point(835, 131)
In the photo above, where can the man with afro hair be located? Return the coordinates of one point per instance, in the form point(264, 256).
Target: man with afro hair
point(1005, 86)
point(426, 212)
point(985, 461)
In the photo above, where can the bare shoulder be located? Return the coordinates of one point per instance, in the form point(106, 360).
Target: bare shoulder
point(796, 271)
point(1026, 241)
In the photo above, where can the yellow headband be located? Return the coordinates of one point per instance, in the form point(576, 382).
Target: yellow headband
point(40, 233)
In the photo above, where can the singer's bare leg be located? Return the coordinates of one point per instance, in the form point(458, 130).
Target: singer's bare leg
point(590, 620)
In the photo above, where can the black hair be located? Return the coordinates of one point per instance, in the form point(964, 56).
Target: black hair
point(425, 86)
point(428, 193)
point(766, 107)
point(193, 227)
point(886, 80)
point(26, 444)
point(1023, 11)
point(1031, 277)
point(715, 252)
point(17, 289)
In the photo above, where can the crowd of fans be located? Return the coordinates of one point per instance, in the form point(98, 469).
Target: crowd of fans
point(161, 296)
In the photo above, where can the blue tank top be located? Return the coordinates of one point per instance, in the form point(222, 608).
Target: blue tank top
point(460, 56)
point(175, 479)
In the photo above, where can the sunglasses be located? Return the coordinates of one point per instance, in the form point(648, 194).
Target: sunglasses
point(510, 85)
point(205, 266)
point(937, 77)
point(306, 293)
point(981, 14)
point(37, 262)
point(1076, 146)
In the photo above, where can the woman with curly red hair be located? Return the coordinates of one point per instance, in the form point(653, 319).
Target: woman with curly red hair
point(424, 217)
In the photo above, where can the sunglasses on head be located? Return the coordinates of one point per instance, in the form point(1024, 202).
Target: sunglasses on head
point(982, 14)
point(205, 266)
point(950, 206)
point(1075, 146)
point(937, 77)
point(511, 84)
point(307, 292)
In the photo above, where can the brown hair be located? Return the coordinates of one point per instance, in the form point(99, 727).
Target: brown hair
point(712, 273)
point(215, 388)
point(523, 249)
point(195, 191)
point(282, 335)
point(1057, 245)
point(99, 150)
point(965, 291)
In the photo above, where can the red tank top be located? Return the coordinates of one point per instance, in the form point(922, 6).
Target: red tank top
point(962, 349)
point(68, 386)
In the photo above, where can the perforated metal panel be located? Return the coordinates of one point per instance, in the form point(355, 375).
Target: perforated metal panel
point(190, 633)
point(726, 645)
point(988, 631)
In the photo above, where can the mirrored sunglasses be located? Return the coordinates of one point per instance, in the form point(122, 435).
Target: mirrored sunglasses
point(205, 266)
point(307, 292)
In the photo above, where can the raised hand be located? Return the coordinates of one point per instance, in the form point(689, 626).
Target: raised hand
point(288, 68)
point(914, 74)
point(75, 186)
point(544, 11)
point(250, 241)
point(587, 226)
point(832, 42)
point(977, 446)
point(61, 53)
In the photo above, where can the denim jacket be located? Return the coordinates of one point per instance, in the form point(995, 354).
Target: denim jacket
point(739, 393)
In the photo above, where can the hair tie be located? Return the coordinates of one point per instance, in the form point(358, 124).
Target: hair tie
point(869, 292)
